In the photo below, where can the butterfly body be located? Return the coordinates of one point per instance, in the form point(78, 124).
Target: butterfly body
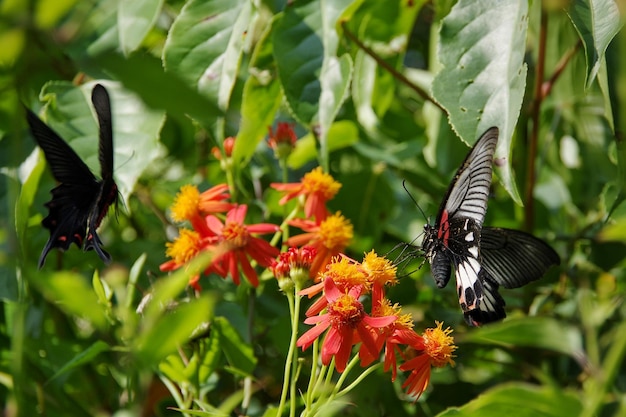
point(483, 257)
point(80, 201)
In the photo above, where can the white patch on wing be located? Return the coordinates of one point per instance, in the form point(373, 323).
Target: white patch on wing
point(469, 237)
point(474, 251)
point(467, 275)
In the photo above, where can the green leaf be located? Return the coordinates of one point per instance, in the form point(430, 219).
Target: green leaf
point(239, 354)
point(482, 47)
point(145, 76)
point(84, 357)
point(164, 335)
point(134, 21)
point(35, 165)
point(261, 99)
point(205, 43)
point(519, 400)
point(135, 128)
point(305, 43)
point(71, 293)
point(342, 134)
point(597, 22)
point(537, 332)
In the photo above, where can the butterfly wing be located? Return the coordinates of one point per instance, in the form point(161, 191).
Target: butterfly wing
point(72, 198)
point(467, 195)
point(107, 193)
point(514, 258)
point(491, 306)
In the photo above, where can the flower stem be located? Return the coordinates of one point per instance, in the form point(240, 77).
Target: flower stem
point(289, 383)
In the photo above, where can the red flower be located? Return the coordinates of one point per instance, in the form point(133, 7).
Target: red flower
point(239, 243)
point(435, 349)
point(329, 238)
point(346, 323)
point(283, 141)
point(229, 145)
point(317, 188)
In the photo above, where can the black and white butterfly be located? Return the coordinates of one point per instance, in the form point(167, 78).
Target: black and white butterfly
point(483, 257)
point(80, 201)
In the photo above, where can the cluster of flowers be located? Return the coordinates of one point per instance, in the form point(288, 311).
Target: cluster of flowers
point(318, 253)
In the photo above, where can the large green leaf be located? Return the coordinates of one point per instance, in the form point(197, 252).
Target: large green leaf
point(537, 332)
point(145, 76)
point(134, 21)
point(173, 328)
point(482, 47)
point(261, 99)
point(205, 43)
point(135, 128)
point(597, 23)
point(305, 45)
point(71, 293)
point(519, 400)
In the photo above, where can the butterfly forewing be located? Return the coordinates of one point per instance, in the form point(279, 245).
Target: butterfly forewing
point(467, 195)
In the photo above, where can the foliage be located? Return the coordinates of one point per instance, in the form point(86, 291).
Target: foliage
point(378, 94)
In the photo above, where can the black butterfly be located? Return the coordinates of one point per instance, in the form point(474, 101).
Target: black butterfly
point(483, 257)
point(80, 201)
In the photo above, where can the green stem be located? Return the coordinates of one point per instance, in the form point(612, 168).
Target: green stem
point(603, 381)
point(292, 354)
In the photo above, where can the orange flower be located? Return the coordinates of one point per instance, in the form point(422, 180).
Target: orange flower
point(239, 244)
point(191, 205)
point(344, 274)
point(329, 238)
point(436, 350)
point(316, 187)
point(380, 272)
point(346, 323)
point(283, 141)
point(186, 246)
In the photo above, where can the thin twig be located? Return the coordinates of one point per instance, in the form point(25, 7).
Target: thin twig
point(560, 67)
point(389, 68)
point(529, 202)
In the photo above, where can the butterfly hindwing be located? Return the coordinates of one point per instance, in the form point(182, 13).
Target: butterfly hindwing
point(514, 258)
point(80, 201)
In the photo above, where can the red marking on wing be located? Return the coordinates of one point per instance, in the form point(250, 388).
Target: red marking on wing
point(444, 228)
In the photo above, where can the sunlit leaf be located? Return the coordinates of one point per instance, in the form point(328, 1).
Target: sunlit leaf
point(261, 99)
point(240, 355)
point(134, 21)
point(484, 75)
point(341, 134)
point(204, 45)
point(164, 335)
point(537, 332)
point(72, 294)
point(519, 400)
point(597, 23)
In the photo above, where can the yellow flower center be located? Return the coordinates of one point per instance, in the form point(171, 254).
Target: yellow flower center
point(236, 235)
point(345, 274)
point(439, 345)
point(346, 311)
point(384, 308)
point(380, 269)
point(185, 247)
point(336, 232)
point(318, 181)
point(185, 205)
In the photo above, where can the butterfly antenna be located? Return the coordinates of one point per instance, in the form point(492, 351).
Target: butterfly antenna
point(414, 201)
